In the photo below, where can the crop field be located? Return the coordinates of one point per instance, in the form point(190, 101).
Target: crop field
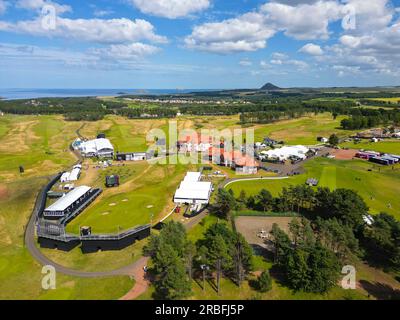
point(387, 146)
point(379, 188)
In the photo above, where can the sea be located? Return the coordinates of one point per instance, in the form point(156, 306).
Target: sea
point(14, 94)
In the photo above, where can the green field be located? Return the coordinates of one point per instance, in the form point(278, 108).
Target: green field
point(143, 196)
point(304, 131)
point(378, 188)
point(392, 146)
point(20, 274)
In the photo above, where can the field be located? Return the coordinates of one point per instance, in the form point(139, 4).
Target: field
point(146, 195)
point(387, 146)
point(303, 131)
point(41, 145)
point(20, 274)
point(378, 188)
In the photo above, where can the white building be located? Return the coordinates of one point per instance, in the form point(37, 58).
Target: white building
point(65, 204)
point(74, 175)
point(193, 191)
point(284, 153)
point(97, 148)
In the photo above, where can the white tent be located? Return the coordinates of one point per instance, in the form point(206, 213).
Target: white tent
point(285, 153)
point(193, 191)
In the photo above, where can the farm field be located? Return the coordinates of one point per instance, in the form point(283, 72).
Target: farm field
point(379, 188)
point(391, 146)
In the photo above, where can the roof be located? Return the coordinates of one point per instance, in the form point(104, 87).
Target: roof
point(96, 145)
point(74, 176)
point(196, 185)
point(63, 203)
point(192, 194)
point(286, 152)
point(193, 176)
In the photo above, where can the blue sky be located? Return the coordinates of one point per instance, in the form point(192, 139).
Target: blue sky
point(198, 43)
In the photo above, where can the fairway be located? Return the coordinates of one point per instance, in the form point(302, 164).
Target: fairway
point(378, 188)
point(328, 178)
point(387, 146)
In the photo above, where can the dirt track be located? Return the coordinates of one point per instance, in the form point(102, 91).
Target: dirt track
point(249, 227)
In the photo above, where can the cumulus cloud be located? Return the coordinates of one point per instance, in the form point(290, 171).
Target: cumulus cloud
point(248, 32)
point(39, 4)
point(312, 49)
point(112, 31)
point(303, 21)
point(171, 9)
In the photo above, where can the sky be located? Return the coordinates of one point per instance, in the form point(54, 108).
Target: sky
point(198, 44)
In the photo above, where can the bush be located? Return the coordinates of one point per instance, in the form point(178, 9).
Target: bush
point(264, 282)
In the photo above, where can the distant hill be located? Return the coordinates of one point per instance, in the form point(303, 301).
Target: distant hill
point(270, 87)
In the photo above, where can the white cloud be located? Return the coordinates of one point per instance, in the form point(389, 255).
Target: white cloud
point(171, 9)
point(112, 31)
point(102, 13)
point(39, 4)
point(126, 52)
point(245, 62)
point(3, 6)
point(245, 33)
point(303, 21)
point(312, 49)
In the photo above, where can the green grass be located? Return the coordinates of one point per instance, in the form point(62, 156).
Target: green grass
point(378, 188)
point(328, 177)
point(145, 197)
point(392, 146)
point(124, 140)
point(20, 274)
point(304, 131)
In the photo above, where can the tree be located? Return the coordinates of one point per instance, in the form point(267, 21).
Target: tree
point(333, 140)
point(343, 204)
point(281, 244)
point(264, 282)
point(225, 203)
point(323, 269)
point(219, 256)
point(172, 256)
point(174, 284)
point(265, 199)
point(382, 241)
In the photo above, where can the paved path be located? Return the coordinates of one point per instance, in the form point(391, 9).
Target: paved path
point(231, 181)
point(141, 284)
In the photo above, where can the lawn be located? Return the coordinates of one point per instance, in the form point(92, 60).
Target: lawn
point(144, 196)
point(391, 146)
point(378, 188)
